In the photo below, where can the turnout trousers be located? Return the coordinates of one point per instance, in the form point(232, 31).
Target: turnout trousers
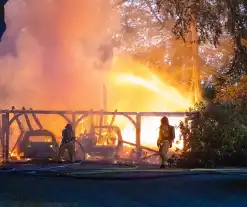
point(70, 148)
point(163, 150)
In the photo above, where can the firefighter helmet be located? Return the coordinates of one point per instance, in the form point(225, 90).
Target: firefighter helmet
point(68, 126)
point(164, 120)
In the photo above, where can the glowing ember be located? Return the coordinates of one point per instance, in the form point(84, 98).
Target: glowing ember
point(17, 156)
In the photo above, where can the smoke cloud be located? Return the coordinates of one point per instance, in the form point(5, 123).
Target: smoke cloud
point(55, 53)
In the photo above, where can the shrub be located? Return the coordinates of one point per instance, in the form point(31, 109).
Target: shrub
point(217, 137)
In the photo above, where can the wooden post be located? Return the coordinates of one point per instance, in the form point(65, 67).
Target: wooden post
point(92, 122)
point(138, 137)
point(74, 123)
point(2, 135)
point(6, 129)
point(100, 127)
point(105, 119)
point(73, 132)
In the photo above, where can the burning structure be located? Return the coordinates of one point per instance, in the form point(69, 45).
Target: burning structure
point(58, 55)
point(35, 143)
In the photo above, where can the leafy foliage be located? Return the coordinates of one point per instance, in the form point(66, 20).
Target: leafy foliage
point(203, 14)
point(212, 19)
point(213, 140)
point(233, 93)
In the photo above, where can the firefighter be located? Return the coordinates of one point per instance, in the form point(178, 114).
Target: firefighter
point(163, 142)
point(67, 142)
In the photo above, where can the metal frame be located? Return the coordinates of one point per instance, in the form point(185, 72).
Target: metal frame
point(6, 122)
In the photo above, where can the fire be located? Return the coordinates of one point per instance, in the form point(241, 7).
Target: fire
point(150, 132)
point(16, 155)
point(146, 92)
point(156, 86)
point(141, 91)
point(64, 51)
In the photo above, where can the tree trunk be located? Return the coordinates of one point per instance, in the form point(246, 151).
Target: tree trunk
point(196, 65)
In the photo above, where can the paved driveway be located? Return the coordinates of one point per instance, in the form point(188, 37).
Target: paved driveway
point(209, 190)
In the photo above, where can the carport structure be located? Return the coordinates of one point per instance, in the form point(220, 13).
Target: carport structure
point(8, 117)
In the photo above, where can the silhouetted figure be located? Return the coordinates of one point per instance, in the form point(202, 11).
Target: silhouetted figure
point(163, 142)
point(67, 142)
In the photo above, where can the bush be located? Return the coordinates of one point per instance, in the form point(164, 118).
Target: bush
point(217, 137)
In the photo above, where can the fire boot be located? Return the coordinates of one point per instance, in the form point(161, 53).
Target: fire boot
point(162, 166)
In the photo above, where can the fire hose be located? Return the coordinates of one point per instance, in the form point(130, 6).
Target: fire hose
point(113, 173)
point(131, 173)
point(80, 147)
point(83, 161)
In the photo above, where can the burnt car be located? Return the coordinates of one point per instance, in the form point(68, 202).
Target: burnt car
point(103, 142)
point(38, 144)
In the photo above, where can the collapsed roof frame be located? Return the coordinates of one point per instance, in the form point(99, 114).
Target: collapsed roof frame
point(9, 116)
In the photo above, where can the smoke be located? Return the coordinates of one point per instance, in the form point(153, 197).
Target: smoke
point(55, 53)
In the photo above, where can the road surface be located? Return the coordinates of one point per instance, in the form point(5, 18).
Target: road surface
point(138, 188)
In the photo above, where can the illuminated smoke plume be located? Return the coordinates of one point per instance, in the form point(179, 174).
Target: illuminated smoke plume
point(52, 53)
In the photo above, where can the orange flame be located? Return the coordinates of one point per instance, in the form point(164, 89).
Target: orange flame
point(146, 92)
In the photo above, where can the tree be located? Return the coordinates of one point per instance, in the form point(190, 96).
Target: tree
point(202, 14)
point(211, 19)
point(234, 93)
point(215, 24)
